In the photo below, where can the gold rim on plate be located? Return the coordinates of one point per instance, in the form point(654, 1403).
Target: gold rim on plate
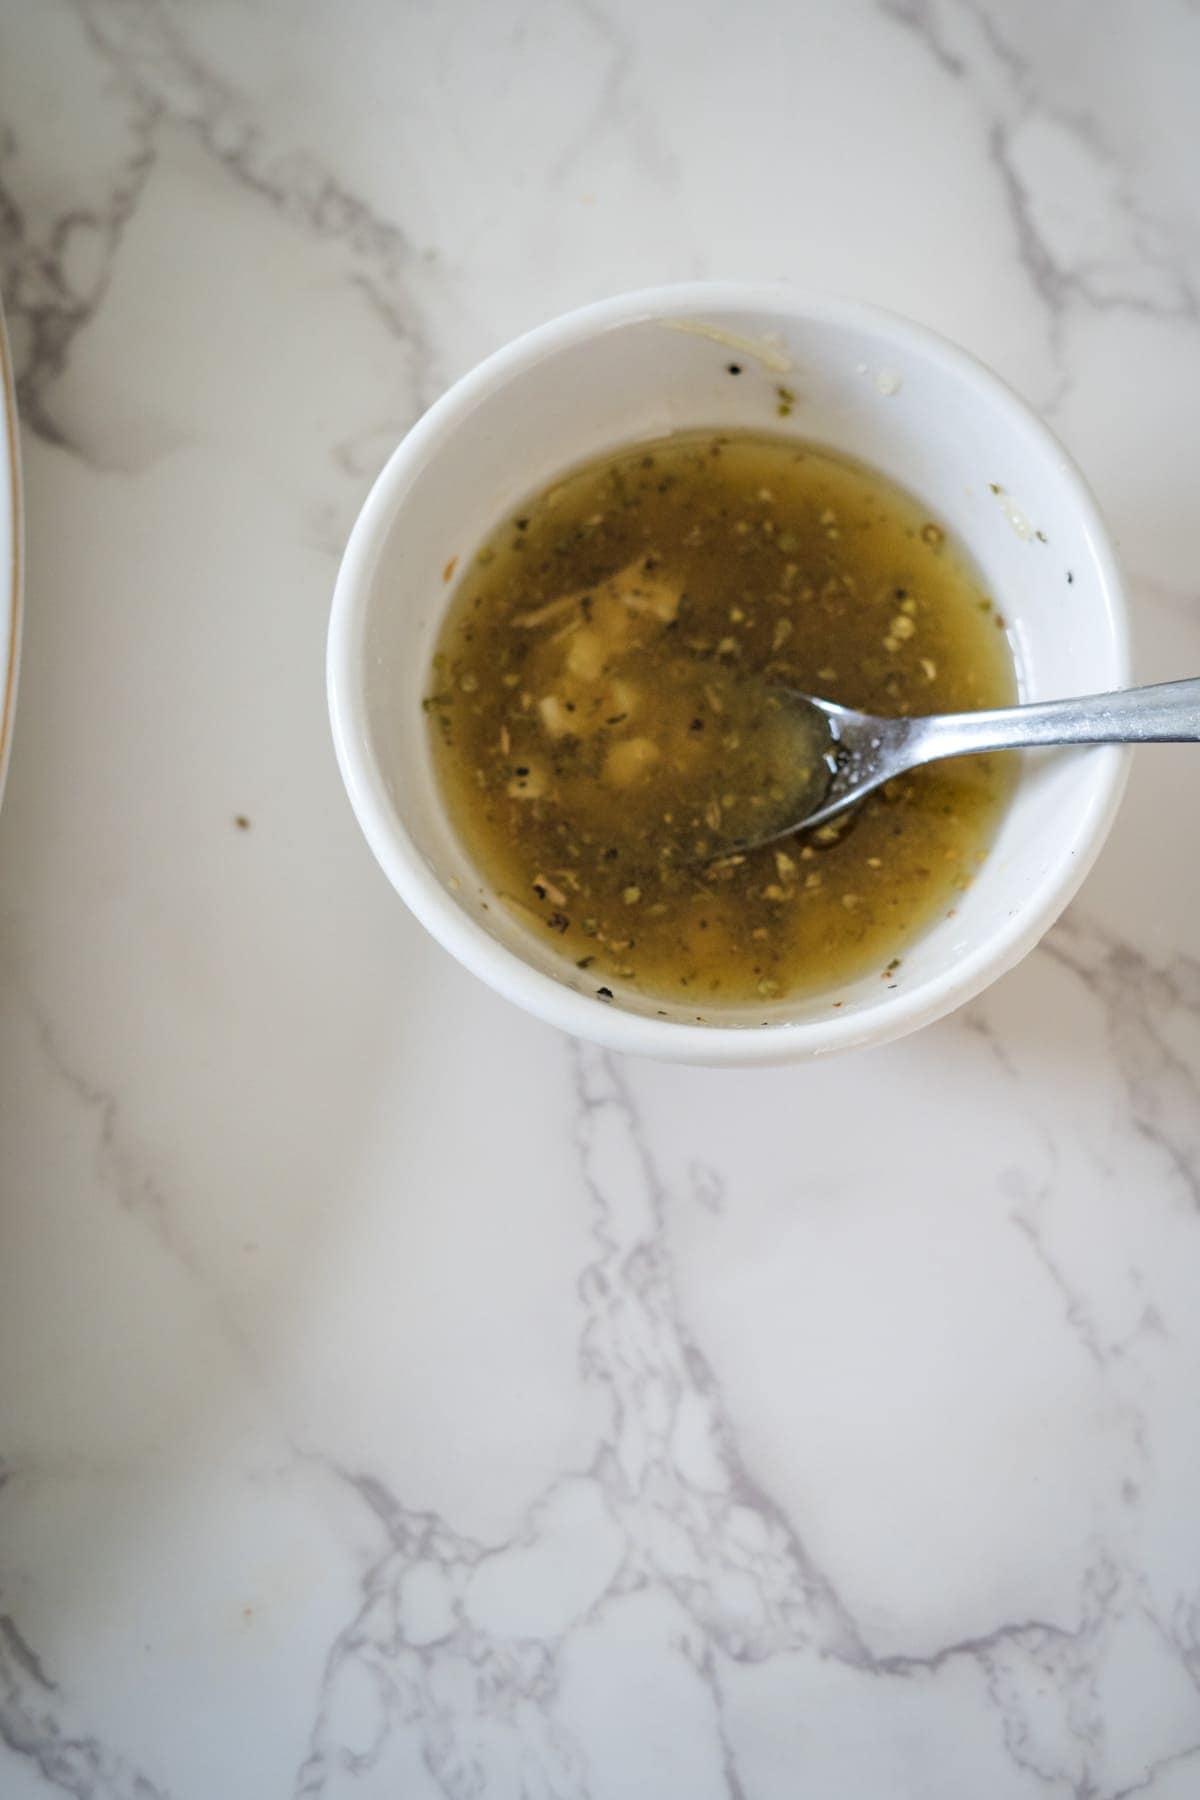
point(8, 704)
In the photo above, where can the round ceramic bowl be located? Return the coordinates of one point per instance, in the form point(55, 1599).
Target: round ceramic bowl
point(860, 381)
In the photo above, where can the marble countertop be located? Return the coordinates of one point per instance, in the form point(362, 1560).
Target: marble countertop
point(399, 1401)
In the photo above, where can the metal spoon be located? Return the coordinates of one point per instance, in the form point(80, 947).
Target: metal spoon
point(861, 752)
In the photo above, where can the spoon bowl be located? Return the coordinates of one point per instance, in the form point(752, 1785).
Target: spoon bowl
point(859, 752)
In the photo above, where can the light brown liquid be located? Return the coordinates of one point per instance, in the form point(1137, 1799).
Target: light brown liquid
point(597, 705)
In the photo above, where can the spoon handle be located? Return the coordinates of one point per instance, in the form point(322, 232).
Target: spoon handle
point(1168, 713)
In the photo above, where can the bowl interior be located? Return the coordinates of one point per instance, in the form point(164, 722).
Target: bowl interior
point(874, 388)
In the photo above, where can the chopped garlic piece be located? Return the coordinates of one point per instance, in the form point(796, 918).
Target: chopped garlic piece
point(544, 615)
point(586, 655)
point(630, 759)
point(554, 716)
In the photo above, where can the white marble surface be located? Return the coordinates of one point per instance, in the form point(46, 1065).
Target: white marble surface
point(396, 1400)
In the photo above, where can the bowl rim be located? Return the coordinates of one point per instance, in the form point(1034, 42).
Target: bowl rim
point(583, 1015)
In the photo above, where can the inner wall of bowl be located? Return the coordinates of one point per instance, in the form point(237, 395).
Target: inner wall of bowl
point(900, 405)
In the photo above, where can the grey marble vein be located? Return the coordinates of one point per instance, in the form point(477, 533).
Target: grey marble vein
point(1162, 1765)
point(126, 1173)
point(35, 1728)
point(23, 1653)
point(1075, 1308)
point(1138, 999)
point(676, 1535)
point(1180, 1632)
point(148, 50)
point(51, 295)
point(973, 43)
point(923, 19)
point(35, 1715)
point(618, 104)
point(49, 299)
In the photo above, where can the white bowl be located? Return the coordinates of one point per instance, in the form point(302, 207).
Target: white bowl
point(639, 366)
